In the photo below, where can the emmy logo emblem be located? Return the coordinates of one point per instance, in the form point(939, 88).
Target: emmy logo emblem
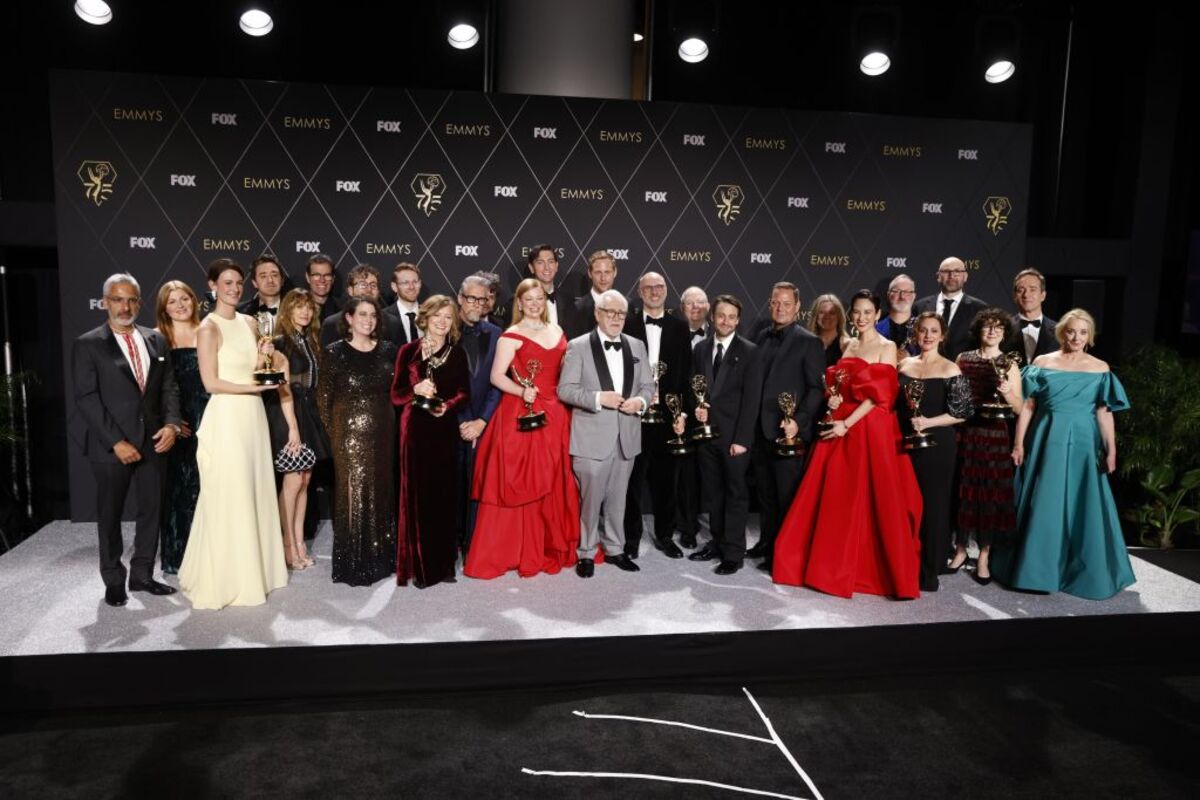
point(998, 407)
point(432, 362)
point(787, 446)
point(531, 420)
point(918, 440)
point(266, 374)
point(678, 445)
point(834, 389)
point(653, 416)
point(702, 432)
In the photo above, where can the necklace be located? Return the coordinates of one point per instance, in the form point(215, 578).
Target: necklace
point(528, 325)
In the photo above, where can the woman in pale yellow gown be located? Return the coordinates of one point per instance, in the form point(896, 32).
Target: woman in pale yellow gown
point(234, 552)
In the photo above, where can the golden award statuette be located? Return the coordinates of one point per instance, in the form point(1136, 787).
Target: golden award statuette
point(266, 374)
point(653, 416)
point(432, 362)
point(998, 407)
point(834, 390)
point(785, 445)
point(531, 420)
point(677, 445)
point(703, 432)
point(917, 440)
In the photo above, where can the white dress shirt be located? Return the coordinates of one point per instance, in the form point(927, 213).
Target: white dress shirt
point(955, 300)
point(1030, 334)
point(616, 365)
point(653, 337)
point(405, 309)
point(140, 346)
point(717, 340)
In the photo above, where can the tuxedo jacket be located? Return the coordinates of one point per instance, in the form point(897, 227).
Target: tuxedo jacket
point(484, 397)
point(735, 395)
point(798, 367)
point(582, 315)
point(1047, 342)
point(598, 435)
point(958, 337)
point(396, 325)
point(390, 329)
point(674, 350)
point(107, 395)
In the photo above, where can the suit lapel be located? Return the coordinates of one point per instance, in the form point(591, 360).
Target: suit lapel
point(627, 360)
point(116, 351)
point(606, 383)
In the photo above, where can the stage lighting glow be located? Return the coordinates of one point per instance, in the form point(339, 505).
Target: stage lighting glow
point(463, 36)
point(93, 12)
point(693, 50)
point(637, 37)
point(875, 63)
point(1000, 72)
point(256, 23)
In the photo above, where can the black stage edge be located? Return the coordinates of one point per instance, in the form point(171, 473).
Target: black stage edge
point(130, 680)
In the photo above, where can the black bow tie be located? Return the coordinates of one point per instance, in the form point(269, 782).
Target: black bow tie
point(612, 346)
point(699, 332)
point(470, 330)
point(550, 298)
point(1025, 323)
point(654, 321)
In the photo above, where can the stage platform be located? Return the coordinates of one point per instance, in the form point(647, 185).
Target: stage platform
point(675, 618)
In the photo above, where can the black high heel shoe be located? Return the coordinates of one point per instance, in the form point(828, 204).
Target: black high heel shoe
point(982, 581)
point(949, 570)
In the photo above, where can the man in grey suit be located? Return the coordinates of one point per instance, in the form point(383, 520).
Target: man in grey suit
point(606, 379)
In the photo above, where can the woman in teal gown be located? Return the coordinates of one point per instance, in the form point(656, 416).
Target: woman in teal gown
point(1069, 533)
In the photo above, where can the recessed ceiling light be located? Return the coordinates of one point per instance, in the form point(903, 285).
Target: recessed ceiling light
point(875, 63)
point(999, 72)
point(93, 12)
point(463, 36)
point(256, 23)
point(637, 37)
point(693, 50)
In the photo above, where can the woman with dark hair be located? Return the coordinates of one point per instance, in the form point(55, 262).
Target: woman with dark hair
point(178, 315)
point(234, 555)
point(1068, 530)
point(432, 383)
point(354, 402)
point(828, 322)
point(853, 525)
point(297, 323)
point(985, 470)
point(942, 397)
point(528, 517)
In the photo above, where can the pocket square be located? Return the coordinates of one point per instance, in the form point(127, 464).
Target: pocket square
point(162, 358)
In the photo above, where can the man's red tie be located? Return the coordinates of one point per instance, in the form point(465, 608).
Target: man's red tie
point(136, 359)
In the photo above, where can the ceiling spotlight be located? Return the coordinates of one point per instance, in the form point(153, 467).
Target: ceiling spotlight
point(93, 12)
point(637, 37)
point(999, 72)
point(875, 63)
point(256, 23)
point(693, 50)
point(463, 36)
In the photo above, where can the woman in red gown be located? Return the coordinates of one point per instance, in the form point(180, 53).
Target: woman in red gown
point(854, 523)
point(528, 517)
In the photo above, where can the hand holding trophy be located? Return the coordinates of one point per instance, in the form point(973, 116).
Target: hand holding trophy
point(531, 420)
point(266, 374)
point(678, 445)
point(653, 416)
point(788, 446)
point(703, 432)
point(998, 407)
point(917, 440)
point(432, 404)
point(834, 389)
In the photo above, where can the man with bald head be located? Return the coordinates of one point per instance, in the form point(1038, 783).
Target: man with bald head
point(956, 307)
point(666, 340)
point(898, 324)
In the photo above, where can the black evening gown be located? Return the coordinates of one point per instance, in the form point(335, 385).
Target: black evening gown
point(182, 486)
point(354, 401)
point(303, 377)
point(935, 466)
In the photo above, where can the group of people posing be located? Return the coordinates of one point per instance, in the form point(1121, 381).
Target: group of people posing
point(531, 445)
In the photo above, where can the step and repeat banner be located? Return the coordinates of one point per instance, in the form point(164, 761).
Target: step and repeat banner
point(160, 175)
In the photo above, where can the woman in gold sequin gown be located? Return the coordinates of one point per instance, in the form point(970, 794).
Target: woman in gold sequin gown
point(354, 400)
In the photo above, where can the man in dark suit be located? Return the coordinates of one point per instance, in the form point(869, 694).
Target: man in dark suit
point(956, 307)
point(693, 308)
point(666, 340)
point(363, 281)
point(125, 391)
point(602, 272)
point(478, 341)
point(560, 304)
point(793, 361)
point(731, 367)
point(1035, 331)
point(406, 285)
point(320, 275)
point(268, 280)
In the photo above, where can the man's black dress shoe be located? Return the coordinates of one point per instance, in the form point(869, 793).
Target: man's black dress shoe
point(706, 553)
point(622, 561)
point(633, 552)
point(152, 586)
point(688, 540)
point(115, 596)
point(668, 547)
point(759, 550)
point(728, 567)
point(585, 568)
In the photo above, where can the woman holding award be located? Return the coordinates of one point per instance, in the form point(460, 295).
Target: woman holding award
point(528, 516)
point(431, 383)
point(853, 525)
point(234, 553)
point(934, 396)
point(985, 471)
point(1068, 530)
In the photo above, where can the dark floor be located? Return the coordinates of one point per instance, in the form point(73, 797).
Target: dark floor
point(1104, 732)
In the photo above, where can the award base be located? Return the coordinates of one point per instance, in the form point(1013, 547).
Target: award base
point(429, 404)
point(679, 446)
point(788, 448)
point(824, 426)
point(268, 377)
point(918, 441)
point(653, 417)
point(996, 411)
point(531, 421)
point(704, 433)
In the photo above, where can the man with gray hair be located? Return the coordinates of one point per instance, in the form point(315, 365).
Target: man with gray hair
point(125, 391)
point(694, 305)
point(606, 379)
point(478, 341)
point(898, 324)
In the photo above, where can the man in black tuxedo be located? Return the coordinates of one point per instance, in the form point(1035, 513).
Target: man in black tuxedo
point(956, 307)
point(268, 280)
point(793, 361)
point(125, 391)
point(732, 369)
point(363, 281)
point(406, 285)
point(602, 272)
point(1035, 331)
point(693, 306)
point(560, 304)
point(666, 340)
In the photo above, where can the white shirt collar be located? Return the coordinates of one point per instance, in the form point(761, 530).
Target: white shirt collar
point(405, 308)
point(726, 340)
point(953, 297)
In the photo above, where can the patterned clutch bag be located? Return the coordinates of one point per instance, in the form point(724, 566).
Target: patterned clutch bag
point(304, 459)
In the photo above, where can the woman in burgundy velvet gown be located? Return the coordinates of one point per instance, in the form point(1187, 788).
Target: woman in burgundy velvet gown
point(854, 523)
point(426, 535)
point(528, 516)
